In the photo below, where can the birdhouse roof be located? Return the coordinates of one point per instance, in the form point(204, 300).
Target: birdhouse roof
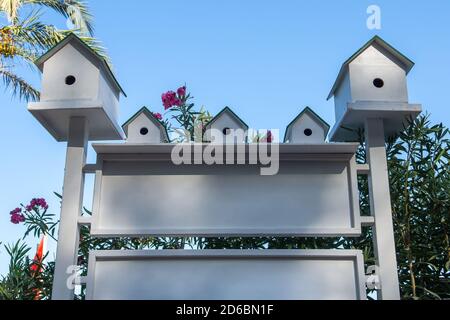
point(230, 112)
point(149, 115)
point(315, 116)
point(405, 62)
point(84, 49)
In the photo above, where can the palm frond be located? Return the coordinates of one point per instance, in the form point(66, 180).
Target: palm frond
point(39, 37)
point(10, 8)
point(75, 10)
point(19, 86)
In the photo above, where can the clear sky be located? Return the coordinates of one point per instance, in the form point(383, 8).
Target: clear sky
point(265, 59)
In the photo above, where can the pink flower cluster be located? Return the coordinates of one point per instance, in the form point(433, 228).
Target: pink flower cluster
point(181, 91)
point(36, 203)
point(171, 99)
point(157, 115)
point(17, 216)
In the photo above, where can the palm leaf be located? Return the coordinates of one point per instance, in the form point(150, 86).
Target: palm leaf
point(19, 86)
point(10, 8)
point(77, 11)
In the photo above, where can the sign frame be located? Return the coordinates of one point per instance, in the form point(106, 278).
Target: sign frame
point(233, 254)
point(336, 152)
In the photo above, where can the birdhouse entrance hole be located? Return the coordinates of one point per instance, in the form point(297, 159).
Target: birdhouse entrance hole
point(144, 131)
point(70, 80)
point(307, 132)
point(226, 131)
point(379, 83)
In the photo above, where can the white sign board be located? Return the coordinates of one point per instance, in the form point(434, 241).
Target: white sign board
point(141, 194)
point(226, 275)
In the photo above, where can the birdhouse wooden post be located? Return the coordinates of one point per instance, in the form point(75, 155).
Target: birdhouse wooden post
point(372, 83)
point(79, 102)
point(371, 96)
point(76, 82)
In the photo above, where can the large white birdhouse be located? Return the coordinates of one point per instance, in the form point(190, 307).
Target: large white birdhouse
point(372, 83)
point(307, 127)
point(77, 82)
point(226, 127)
point(143, 127)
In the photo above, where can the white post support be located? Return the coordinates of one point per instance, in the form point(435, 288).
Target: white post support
point(380, 204)
point(72, 202)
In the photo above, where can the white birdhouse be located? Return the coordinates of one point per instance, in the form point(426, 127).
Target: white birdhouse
point(226, 127)
point(77, 82)
point(372, 83)
point(143, 127)
point(307, 127)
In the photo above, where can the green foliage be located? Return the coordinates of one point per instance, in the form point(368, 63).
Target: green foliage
point(420, 188)
point(21, 282)
point(39, 222)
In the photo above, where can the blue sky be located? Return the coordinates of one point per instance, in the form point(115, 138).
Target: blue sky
point(265, 59)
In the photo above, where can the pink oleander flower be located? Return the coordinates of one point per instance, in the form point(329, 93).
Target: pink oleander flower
point(269, 137)
point(16, 211)
point(182, 91)
point(170, 99)
point(157, 115)
point(37, 203)
point(17, 216)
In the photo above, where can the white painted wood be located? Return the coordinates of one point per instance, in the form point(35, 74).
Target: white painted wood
point(306, 122)
point(313, 194)
point(380, 203)
point(357, 77)
point(85, 220)
point(342, 96)
point(333, 150)
point(395, 115)
point(57, 68)
point(363, 169)
point(375, 62)
point(226, 275)
point(226, 119)
point(367, 221)
point(90, 168)
point(71, 207)
point(153, 134)
point(55, 117)
point(358, 97)
point(93, 94)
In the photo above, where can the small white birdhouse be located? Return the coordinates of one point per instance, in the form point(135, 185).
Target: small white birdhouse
point(226, 127)
point(143, 127)
point(77, 82)
point(307, 127)
point(372, 83)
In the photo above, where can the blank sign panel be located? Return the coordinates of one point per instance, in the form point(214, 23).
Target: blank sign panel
point(306, 198)
point(226, 275)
